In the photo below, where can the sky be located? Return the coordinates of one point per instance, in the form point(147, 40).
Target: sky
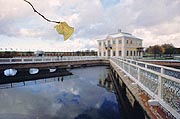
point(154, 21)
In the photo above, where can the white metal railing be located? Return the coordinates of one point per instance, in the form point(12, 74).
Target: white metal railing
point(46, 59)
point(160, 82)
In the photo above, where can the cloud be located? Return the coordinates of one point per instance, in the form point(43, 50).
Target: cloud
point(154, 19)
point(155, 12)
point(150, 38)
point(12, 9)
point(29, 33)
point(165, 32)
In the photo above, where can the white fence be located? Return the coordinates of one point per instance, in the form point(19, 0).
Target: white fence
point(161, 83)
point(46, 59)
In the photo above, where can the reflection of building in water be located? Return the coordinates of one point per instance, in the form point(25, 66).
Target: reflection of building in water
point(106, 83)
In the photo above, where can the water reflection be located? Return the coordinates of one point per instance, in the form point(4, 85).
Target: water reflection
point(106, 83)
point(74, 97)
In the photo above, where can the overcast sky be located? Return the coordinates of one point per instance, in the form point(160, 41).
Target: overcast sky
point(154, 21)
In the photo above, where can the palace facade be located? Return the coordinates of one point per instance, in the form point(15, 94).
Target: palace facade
point(120, 44)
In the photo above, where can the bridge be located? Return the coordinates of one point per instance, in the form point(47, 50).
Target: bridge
point(155, 87)
point(51, 62)
point(21, 69)
point(149, 89)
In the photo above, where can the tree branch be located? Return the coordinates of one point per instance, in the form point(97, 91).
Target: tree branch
point(40, 13)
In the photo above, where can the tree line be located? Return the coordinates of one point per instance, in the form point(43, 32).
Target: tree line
point(166, 50)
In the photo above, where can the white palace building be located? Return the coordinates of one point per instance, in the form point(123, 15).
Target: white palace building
point(120, 44)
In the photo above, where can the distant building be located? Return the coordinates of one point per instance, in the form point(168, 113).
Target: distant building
point(10, 54)
point(120, 44)
point(39, 53)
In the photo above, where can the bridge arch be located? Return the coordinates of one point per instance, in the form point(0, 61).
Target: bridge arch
point(10, 72)
point(33, 70)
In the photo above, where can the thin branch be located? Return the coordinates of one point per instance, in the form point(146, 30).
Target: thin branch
point(40, 13)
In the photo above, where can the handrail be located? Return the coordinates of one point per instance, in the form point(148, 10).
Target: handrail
point(160, 82)
point(46, 59)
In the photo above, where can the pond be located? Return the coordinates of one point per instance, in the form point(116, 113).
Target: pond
point(74, 97)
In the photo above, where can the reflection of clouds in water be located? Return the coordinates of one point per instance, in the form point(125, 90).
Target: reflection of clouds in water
point(23, 102)
point(67, 99)
point(74, 91)
point(16, 116)
point(107, 110)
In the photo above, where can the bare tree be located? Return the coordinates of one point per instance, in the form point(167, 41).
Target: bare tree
point(40, 13)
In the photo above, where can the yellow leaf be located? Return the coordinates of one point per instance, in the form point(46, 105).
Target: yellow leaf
point(64, 29)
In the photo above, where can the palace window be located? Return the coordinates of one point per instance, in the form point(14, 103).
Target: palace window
point(109, 53)
point(119, 52)
point(99, 43)
point(140, 43)
point(120, 41)
point(127, 53)
point(127, 41)
point(114, 42)
point(114, 53)
point(108, 42)
point(130, 53)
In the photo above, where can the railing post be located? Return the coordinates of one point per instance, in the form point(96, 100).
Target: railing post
point(128, 69)
point(145, 66)
point(138, 72)
point(42, 59)
point(10, 59)
point(129, 66)
point(33, 59)
point(160, 85)
point(123, 63)
point(22, 59)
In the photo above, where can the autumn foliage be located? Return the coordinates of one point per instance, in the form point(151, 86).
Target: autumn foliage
point(165, 49)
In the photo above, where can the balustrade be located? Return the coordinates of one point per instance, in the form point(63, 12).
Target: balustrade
point(160, 82)
point(47, 59)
